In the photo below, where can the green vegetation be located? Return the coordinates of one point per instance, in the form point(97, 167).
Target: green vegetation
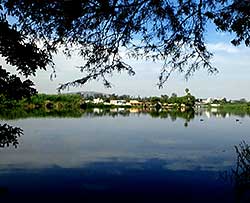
point(42, 105)
point(12, 88)
point(41, 100)
point(236, 107)
point(75, 101)
point(239, 109)
point(73, 105)
point(66, 100)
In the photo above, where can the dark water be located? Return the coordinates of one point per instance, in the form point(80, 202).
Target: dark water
point(132, 158)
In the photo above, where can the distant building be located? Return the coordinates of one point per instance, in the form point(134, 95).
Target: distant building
point(207, 101)
point(119, 103)
point(98, 101)
point(135, 103)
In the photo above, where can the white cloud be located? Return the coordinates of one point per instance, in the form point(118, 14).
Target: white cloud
point(228, 48)
point(233, 64)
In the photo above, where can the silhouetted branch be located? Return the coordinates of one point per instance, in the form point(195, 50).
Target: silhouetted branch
point(9, 135)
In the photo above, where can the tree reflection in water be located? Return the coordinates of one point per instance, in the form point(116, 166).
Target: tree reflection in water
point(9, 135)
point(241, 173)
point(239, 176)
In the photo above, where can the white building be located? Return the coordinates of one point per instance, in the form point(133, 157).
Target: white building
point(207, 101)
point(98, 101)
point(119, 103)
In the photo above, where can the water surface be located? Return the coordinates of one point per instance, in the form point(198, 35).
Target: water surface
point(128, 157)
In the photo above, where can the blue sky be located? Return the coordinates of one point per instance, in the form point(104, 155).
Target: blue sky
point(232, 81)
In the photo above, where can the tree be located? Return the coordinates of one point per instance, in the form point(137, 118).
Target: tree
point(164, 98)
point(11, 87)
point(173, 95)
point(113, 96)
point(154, 100)
point(173, 99)
point(239, 175)
point(171, 31)
point(124, 97)
point(189, 100)
point(187, 90)
point(243, 100)
point(223, 101)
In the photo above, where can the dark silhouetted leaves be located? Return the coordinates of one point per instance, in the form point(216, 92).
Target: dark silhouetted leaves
point(170, 31)
point(9, 135)
point(11, 86)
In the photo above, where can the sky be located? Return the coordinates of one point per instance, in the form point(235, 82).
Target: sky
point(232, 81)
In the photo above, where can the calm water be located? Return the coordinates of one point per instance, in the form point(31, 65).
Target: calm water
point(123, 158)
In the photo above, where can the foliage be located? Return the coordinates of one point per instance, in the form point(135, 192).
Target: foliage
point(164, 98)
point(235, 109)
point(75, 101)
point(242, 170)
point(9, 135)
point(11, 87)
point(18, 52)
point(154, 100)
point(188, 100)
point(172, 31)
point(240, 174)
point(40, 99)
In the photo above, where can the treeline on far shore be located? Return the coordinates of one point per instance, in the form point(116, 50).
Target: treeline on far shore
point(239, 109)
point(43, 100)
point(75, 102)
point(64, 101)
point(74, 105)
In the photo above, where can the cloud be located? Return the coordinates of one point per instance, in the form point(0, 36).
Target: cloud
point(228, 48)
